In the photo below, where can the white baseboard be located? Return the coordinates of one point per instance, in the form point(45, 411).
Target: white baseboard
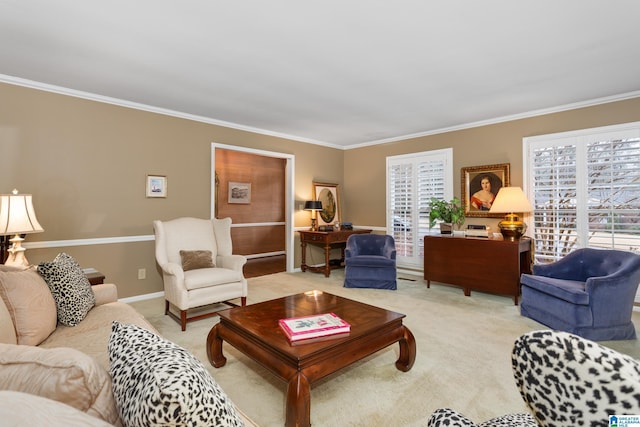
point(142, 297)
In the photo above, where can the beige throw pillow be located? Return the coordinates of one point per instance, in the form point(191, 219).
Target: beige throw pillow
point(22, 409)
point(30, 304)
point(193, 260)
point(63, 374)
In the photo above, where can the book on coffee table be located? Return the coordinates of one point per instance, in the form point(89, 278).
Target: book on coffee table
point(319, 325)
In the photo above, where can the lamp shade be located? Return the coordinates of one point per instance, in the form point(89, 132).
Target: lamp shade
point(313, 205)
point(509, 200)
point(17, 215)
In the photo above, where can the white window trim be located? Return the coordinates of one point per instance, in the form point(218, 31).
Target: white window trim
point(447, 153)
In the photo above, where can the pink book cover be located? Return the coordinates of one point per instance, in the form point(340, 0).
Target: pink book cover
point(297, 328)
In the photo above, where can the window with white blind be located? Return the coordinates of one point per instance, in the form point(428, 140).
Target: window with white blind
point(412, 180)
point(585, 188)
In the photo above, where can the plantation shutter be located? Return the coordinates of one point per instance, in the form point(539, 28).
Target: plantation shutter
point(586, 190)
point(411, 182)
point(554, 177)
point(613, 198)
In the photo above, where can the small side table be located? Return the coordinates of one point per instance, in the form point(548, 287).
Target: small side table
point(95, 277)
point(327, 239)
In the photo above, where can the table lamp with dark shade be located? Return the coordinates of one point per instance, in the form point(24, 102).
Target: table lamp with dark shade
point(314, 206)
point(511, 200)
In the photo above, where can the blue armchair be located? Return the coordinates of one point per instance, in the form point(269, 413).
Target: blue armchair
point(590, 293)
point(370, 262)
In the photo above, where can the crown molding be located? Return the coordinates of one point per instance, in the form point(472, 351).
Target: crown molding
point(149, 108)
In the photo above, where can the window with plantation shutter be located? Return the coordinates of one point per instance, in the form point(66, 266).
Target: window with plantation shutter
point(585, 188)
point(411, 182)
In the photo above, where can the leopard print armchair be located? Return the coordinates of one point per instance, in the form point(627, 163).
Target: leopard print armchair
point(566, 381)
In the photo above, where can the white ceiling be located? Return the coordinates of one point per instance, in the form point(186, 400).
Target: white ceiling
point(341, 73)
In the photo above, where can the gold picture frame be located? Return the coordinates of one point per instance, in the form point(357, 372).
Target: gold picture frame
point(480, 185)
point(329, 195)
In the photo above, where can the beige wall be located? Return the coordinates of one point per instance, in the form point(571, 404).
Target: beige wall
point(85, 162)
point(364, 172)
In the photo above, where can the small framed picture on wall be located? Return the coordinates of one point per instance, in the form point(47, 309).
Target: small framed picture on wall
point(240, 192)
point(156, 186)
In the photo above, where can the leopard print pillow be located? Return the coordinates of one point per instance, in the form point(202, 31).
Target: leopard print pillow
point(449, 417)
point(567, 380)
point(70, 288)
point(158, 383)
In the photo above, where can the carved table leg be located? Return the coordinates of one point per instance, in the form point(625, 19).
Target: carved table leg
point(214, 348)
point(298, 411)
point(327, 267)
point(303, 265)
point(407, 351)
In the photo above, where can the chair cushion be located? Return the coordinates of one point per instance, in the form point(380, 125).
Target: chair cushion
point(30, 304)
point(156, 382)
point(193, 260)
point(568, 290)
point(70, 288)
point(370, 261)
point(206, 277)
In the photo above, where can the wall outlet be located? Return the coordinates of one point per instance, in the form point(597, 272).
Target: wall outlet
point(142, 273)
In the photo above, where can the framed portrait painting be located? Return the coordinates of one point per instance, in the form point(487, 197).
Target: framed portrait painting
point(480, 185)
point(329, 195)
point(156, 186)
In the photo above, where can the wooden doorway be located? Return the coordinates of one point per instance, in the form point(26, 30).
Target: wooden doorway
point(263, 219)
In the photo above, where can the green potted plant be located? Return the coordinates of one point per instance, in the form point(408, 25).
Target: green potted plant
point(450, 213)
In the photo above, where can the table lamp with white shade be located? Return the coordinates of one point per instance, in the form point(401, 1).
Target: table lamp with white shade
point(511, 200)
point(17, 217)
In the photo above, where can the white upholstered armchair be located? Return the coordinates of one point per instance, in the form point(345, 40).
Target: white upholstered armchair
point(197, 265)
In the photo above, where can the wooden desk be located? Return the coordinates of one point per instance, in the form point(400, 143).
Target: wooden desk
point(327, 239)
point(491, 265)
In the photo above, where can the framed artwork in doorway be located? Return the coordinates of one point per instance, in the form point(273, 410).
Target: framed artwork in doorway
point(239, 192)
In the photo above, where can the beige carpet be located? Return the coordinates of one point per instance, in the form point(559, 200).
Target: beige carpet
point(463, 356)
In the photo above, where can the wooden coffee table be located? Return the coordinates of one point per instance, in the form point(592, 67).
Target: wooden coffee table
point(254, 331)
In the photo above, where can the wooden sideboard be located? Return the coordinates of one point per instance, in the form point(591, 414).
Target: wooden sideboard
point(326, 239)
point(491, 265)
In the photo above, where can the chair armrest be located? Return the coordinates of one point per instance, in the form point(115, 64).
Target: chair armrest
point(389, 252)
point(173, 269)
point(232, 262)
point(105, 293)
point(614, 290)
